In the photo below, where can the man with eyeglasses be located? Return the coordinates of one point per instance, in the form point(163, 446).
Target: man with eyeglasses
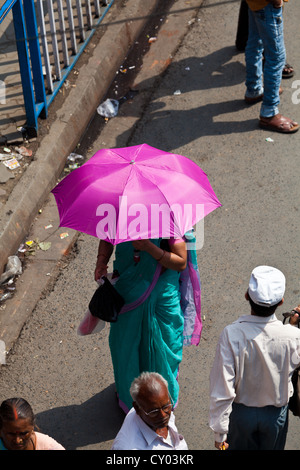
point(150, 424)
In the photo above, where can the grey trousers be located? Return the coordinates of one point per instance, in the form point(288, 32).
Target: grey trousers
point(253, 428)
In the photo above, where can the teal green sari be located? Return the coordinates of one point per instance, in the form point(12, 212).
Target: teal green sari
point(2, 445)
point(149, 337)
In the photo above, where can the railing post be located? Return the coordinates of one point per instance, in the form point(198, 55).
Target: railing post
point(41, 18)
point(25, 71)
point(36, 61)
point(32, 46)
point(54, 39)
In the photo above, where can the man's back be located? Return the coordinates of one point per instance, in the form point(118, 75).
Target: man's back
point(264, 354)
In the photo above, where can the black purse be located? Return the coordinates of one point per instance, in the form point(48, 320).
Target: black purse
point(106, 302)
point(294, 402)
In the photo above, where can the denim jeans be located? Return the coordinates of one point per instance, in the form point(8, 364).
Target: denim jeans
point(265, 37)
point(252, 428)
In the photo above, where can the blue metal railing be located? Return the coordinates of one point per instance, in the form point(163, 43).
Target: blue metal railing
point(6, 7)
point(33, 30)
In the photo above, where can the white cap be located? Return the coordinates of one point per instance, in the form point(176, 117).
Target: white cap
point(266, 286)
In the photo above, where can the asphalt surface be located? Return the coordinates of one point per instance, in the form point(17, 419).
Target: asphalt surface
point(69, 379)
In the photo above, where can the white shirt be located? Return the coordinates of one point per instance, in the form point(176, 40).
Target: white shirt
point(254, 362)
point(135, 434)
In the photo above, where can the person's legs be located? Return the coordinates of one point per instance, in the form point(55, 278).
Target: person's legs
point(242, 29)
point(266, 34)
point(269, 24)
point(252, 428)
point(254, 61)
point(242, 434)
point(273, 427)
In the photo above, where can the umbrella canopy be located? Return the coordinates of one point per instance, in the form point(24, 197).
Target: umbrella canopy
point(132, 193)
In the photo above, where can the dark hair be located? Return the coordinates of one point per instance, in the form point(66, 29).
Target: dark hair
point(262, 311)
point(16, 408)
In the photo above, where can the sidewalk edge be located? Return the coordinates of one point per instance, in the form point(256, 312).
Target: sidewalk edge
point(92, 84)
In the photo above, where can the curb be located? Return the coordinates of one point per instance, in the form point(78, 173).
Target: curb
point(92, 84)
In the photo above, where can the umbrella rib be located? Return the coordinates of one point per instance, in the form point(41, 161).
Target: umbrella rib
point(154, 184)
point(170, 170)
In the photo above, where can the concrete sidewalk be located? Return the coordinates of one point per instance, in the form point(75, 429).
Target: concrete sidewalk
point(27, 189)
point(26, 193)
point(20, 216)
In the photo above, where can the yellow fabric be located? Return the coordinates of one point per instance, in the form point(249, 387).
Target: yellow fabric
point(258, 4)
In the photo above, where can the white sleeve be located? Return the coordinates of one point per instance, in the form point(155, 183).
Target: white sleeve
point(222, 388)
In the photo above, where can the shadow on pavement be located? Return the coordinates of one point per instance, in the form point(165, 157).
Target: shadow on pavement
point(96, 420)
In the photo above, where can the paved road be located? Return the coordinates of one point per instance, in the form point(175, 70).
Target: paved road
point(68, 379)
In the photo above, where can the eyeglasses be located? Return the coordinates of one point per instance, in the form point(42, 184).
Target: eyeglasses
point(166, 409)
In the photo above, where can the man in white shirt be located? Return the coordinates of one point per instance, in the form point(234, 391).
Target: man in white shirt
point(250, 381)
point(150, 424)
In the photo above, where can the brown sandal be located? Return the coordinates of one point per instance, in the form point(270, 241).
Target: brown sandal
point(288, 71)
point(279, 123)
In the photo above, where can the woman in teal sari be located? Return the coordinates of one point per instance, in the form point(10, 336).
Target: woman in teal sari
point(148, 337)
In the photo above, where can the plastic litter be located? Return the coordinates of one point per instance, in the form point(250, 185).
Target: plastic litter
point(5, 296)
point(30, 247)
point(74, 161)
point(73, 166)
point(12, 164)
point(13, 268)
point(74, 157)
point(177, 92)
point(4, 156)
point(90, 325)
point(64, 235)
point(24, 152)
point(109, 108)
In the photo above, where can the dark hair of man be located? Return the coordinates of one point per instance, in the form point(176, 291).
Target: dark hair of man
point(262, 311)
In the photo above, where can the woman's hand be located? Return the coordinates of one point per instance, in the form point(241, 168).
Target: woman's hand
point(104, 253)
point(101, 269)
point(174, 259)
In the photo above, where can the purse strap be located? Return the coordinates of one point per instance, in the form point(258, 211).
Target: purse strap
point(145, 295)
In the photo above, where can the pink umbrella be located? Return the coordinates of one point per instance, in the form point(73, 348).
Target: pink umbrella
point(137, 192)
